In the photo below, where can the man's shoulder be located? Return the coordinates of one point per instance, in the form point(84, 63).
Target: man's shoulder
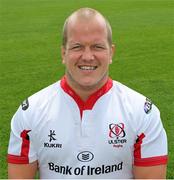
point(126, 91)
point(132, 99)
point(41, 97)
point(47, 91)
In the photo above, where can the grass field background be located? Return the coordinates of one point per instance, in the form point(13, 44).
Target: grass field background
point(30, 39)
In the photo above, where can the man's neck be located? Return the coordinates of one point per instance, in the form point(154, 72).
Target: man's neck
point(84, 92)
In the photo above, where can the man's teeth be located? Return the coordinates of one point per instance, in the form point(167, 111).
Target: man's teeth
point(87, 67)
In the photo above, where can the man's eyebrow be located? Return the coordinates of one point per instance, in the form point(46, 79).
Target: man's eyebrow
point(71, 41)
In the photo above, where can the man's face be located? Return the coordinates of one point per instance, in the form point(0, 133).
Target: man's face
point(87, 54)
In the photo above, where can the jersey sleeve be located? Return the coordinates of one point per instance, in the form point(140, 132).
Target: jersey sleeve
point(21, 149)
point(150, 148)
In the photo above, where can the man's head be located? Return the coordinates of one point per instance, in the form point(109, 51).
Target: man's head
point(87, 49)
point(85, 14)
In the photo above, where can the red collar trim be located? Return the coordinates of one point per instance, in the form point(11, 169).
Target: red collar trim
point(89, 103)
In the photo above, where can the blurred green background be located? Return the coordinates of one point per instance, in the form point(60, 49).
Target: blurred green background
point(30, 40)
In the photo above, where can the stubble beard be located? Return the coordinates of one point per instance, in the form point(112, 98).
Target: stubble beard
point(76, 85)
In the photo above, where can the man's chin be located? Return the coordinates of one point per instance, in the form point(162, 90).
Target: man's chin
point(89, 85)
point(86, 83)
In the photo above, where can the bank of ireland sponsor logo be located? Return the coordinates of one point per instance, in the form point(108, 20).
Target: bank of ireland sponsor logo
point(85, 156)
point(52, 140)
point(117, 135)
point(85, 169)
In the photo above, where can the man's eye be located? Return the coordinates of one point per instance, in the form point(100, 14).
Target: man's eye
point(99, 47)
point(78, 47)
point(75, 47)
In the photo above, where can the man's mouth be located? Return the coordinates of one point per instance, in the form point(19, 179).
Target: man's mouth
point(87, 67)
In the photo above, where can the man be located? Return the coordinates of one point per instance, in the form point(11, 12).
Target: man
point(86, 125)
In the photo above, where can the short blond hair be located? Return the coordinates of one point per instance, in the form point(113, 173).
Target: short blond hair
point(86, 13)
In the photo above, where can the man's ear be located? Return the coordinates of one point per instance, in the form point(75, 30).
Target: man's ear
point(112, 53)
point(63, 54)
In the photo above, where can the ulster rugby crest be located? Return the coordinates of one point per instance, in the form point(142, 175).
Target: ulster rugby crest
point(117, 135)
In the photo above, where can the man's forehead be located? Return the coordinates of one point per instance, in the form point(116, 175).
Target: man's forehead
point(95, 41)
point(85, 20)
point(90, 30)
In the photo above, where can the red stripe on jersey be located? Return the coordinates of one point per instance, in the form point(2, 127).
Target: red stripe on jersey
point(17, 159)
point(25, 143)
point(152, 161)
point(137, 146)
point(89, 103)
point(23, 158)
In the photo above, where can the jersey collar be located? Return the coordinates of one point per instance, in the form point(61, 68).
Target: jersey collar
point(89, 103)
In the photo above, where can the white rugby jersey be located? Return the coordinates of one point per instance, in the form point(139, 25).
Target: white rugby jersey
point(103, 137)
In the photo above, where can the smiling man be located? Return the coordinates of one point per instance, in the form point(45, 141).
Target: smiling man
point(87, 51)
point(87, 125)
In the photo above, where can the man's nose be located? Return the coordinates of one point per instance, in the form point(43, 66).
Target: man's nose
point(88, 54)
